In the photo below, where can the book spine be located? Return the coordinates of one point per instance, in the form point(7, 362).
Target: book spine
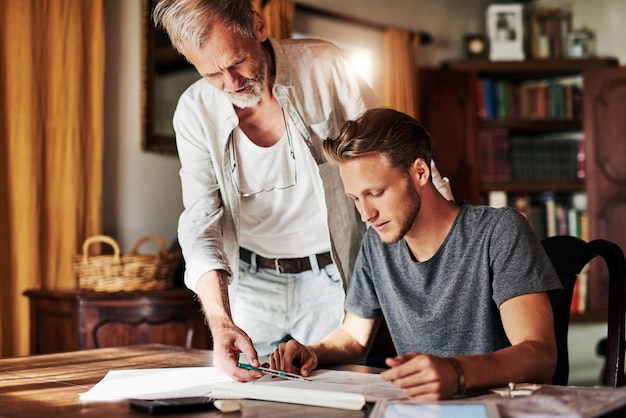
point(497, 198)
point(579, 295)
point(480, 90)
point(515, 105)
point(581, 161)
point(572, 222)
point(501, 157)
point(541, 100)
point(561, 219)
point(487, 164)
point(502, 95)
point(548, 199)
point(490, 100)
point(521, 202)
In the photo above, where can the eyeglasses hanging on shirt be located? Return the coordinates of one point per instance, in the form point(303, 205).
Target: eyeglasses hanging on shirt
point(258, 170)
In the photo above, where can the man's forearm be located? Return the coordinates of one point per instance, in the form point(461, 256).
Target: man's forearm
point(528, 361)
point(212, 289)
point(338, 348)
point(347, 344)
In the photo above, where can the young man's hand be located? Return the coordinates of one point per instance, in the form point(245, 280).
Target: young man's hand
point(422, 377)
point(293, 357)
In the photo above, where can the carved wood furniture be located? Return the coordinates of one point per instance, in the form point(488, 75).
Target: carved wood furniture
point(67, 320)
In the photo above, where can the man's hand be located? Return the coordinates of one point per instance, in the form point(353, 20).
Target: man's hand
point(422, 377)
point(293, 357)
point(229, 342)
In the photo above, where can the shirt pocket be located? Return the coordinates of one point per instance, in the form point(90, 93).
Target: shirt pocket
point(324, 125)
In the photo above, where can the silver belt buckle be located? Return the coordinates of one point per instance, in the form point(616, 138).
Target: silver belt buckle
point(277, 266)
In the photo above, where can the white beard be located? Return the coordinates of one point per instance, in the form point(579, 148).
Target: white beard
point(250, 99)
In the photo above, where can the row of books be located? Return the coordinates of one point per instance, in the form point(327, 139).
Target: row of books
point(554, 98)
point(548, 213)
point(539, 157)
point(551, 214)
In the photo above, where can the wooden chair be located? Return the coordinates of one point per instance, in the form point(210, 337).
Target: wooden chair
point(569, 255)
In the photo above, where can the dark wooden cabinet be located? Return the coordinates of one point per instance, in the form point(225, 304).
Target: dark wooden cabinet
point(449, 109)
point(66, 320)
point(605, 132)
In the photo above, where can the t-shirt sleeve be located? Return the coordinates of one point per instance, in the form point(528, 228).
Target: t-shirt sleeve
point(519, 262)
point(361, 299)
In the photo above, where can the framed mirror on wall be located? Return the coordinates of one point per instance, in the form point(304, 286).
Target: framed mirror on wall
point(166, 74)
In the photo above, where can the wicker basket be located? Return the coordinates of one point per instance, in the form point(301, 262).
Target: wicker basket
point(128, 272)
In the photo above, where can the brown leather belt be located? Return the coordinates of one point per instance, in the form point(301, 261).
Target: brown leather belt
point(286, 265)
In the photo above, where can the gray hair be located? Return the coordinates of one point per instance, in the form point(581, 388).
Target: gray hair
point(189, 22)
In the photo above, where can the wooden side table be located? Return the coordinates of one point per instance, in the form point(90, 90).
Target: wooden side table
point(68, 320)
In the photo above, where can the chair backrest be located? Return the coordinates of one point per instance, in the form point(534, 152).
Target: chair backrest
point(569, 255)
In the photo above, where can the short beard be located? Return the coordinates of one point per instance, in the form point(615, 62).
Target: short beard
point(257, 85)
point(411, 208)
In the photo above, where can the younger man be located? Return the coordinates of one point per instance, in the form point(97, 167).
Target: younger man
point(462, 287)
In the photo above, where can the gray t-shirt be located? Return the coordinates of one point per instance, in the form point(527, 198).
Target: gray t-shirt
point(449, 305)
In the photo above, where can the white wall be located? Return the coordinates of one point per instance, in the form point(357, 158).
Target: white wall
point(585, 365)
point(445, 20)
point(142, 193)
point(142, 190)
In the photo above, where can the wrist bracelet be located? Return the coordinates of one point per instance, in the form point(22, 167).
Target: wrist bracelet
point(460, 376)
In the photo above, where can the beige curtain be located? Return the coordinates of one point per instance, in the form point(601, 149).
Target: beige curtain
point(51, 140)
point(279, 15)
point(400, 88)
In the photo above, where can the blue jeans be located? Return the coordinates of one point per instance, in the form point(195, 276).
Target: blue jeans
point(273, 308)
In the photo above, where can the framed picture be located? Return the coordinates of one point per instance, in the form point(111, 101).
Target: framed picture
point(505, 26)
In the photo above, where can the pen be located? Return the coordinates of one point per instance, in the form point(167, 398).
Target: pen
point(273, 372)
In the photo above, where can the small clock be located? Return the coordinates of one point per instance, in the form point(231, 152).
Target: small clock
point(476, 46)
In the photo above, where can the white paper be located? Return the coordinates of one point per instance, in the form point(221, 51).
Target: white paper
point(155, 383)
point(368, 384)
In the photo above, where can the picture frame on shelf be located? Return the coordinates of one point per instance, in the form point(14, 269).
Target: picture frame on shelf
point(505, 28)
point(548, 29)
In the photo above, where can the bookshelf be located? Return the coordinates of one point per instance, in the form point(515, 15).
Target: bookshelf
point(453, 109)
point(532, 69)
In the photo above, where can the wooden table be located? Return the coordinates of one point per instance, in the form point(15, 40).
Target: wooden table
point(49, 385)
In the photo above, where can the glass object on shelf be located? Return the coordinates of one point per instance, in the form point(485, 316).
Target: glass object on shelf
point(581, 43)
